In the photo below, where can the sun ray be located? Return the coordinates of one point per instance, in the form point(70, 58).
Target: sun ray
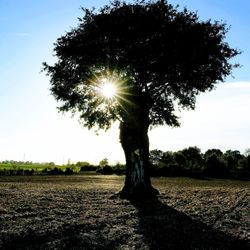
point(112, 90)
point(107, 88)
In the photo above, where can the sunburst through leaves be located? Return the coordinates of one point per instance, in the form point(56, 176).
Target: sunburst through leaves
point(107, 88)
point(112, 88)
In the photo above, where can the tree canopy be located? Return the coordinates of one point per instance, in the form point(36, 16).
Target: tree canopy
point(159, 59)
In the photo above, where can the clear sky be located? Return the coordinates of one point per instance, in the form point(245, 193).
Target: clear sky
point(32, 129)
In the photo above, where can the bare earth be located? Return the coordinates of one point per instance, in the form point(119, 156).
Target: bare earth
point(79, 212)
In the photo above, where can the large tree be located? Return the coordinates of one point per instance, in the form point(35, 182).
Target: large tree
point(136, 63)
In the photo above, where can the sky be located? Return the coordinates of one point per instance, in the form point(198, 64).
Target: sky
point(31, 129)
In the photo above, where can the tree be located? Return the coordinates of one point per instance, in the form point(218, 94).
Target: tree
point(215, 166)
point(155, 156)
point(136, 63)
point(194, 160)
point(232, 159)
point(157, 163)
point(104, 162)
point(247, 152)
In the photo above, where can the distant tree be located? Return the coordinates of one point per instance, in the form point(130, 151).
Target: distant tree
point(154, 55)
point(166, 163)
point(247, 152)
point(194, 159)
point(85, 166)
point(104, 167)
point(243, 168)
point(82, 163)
point(215, 166)
point(168, 157)
point(68, 171)
point(104, 162)
point(215, 151)
point(180, 162)
point(156, 156)
point(119, 168)
point(157, 164)
point(232, 159)
point(247, 167)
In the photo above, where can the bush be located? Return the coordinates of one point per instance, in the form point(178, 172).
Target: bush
point(119, 168)
point(55, 171)
point(68, 171)
point(88, 168)
point(105, 170)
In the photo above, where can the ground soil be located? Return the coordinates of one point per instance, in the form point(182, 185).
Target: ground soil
point(80, 212)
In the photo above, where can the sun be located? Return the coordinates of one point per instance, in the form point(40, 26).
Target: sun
point(108, 89)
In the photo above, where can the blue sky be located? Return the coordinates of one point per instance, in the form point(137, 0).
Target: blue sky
point(31, 128)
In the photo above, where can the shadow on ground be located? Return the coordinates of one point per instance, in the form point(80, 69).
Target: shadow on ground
point(114, 224)
point(166, 228)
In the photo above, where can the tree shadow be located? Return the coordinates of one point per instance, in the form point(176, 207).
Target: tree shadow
point(166, 228)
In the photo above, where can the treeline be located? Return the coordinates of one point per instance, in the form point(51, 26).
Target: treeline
point(191, 162)
point(10, 167)
point(102, 168)
point(187, 162)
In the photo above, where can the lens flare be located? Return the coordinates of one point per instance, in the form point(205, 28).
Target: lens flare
point(111, 91)
point(108, 89)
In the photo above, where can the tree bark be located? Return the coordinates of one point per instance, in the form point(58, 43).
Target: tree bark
point(135, 143)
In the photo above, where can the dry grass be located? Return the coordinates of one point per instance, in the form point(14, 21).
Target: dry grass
point(77, 212)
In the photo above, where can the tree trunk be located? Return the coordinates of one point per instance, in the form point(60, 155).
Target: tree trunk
point(135, 143)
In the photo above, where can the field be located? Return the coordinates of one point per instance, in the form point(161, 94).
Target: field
point(80, 212)
point(29, 169)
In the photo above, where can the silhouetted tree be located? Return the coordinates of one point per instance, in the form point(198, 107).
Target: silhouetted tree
point(232, 159)
point(215, 166)
point(156, 156)
point(247, 152)
point(82, 163)
point(155, 55)
point(158, 165)
point(68, 171)
point(194, 160)
point(242, 170)
point(104, 162)
point(180, 163)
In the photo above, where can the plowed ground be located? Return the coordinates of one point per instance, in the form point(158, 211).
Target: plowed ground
point(79, 212)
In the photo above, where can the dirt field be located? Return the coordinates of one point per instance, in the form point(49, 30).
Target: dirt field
point(79, 212)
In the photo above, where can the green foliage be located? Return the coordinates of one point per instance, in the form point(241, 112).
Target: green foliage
point(215, 165)
point(82, 164)
point(191, 162)
point(187, 162)
point(160, 56)
point(104, 162)
point(86, 166)
point(194, 159)
point(30, 168)
point(105, 168)
point(20, 168)
point(247, 152)
point(14, 165)
point(118, 169)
